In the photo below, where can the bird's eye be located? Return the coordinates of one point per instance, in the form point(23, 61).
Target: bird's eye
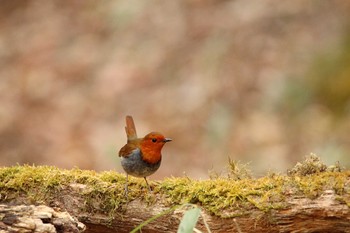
point(154, 139)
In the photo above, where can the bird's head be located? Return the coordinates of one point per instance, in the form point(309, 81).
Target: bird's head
point(151, 146)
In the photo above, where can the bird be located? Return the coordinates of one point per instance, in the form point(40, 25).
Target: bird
point(141, 157)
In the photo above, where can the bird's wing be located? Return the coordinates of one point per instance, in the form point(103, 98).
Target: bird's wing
point(127, 150)
point(130, 128)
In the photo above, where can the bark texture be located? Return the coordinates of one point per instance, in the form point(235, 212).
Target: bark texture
point(324, 214)
point(38, 219)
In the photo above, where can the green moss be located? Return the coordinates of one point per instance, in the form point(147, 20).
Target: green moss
point(227, 198)
point(311, 165)
point(224, 197)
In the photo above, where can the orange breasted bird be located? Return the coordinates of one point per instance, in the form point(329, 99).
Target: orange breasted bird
point(141, 157)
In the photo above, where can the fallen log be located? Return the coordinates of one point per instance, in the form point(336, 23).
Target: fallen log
point(316, 202)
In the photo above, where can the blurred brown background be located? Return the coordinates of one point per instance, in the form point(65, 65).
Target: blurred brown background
point(265, 82)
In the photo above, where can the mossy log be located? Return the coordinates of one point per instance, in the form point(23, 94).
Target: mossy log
point(276, 203)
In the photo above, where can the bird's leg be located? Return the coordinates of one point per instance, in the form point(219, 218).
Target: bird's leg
point(126, 186)
point(149, 188)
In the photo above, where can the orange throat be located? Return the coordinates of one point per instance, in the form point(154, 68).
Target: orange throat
point(151, 153)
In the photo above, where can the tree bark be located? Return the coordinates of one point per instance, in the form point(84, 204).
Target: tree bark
point(38, 219)
point(323, 214)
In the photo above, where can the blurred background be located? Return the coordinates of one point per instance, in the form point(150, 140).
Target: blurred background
point(262, 82)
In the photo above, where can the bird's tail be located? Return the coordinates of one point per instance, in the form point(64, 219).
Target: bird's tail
point(130, 128)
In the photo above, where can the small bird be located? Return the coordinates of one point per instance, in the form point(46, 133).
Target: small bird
point(141, 157)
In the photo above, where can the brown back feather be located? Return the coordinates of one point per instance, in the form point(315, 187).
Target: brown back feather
point(128, 148)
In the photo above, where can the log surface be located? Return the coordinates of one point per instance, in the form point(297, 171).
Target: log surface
point(323, 214)
point(315, 203)
point(38, 219)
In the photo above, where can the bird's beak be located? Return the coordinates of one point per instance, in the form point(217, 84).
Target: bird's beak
point(167, 140)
